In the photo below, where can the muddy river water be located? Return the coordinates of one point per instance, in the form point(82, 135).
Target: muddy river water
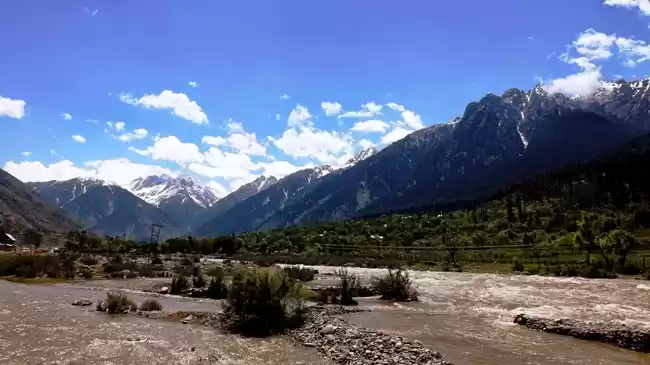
point(466, 317)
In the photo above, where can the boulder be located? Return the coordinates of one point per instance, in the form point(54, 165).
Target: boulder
point(164, 290)
point(82, 302)
point(328, 329)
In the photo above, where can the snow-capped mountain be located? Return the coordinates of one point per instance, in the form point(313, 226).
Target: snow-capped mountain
point(158, 189)
point(183, 198)
point(105, 208)
point(360, 157)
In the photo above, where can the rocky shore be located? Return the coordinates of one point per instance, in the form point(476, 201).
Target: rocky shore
point(346, 343)
point(633, 338)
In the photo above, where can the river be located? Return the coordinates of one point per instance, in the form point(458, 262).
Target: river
point(466, 317)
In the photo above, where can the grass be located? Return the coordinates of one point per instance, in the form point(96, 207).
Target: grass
point(179, 284)
point(348, 287)
point(33, 266)
point(262, 302)
point(396, 286)
point(217, 288)
point(150, 305)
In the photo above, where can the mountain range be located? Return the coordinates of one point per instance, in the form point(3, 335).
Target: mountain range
point(498, 140)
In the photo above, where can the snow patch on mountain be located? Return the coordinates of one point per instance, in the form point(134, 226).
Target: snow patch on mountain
point(158, 189)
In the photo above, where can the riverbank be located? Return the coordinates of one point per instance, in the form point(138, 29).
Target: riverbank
point(633, 338)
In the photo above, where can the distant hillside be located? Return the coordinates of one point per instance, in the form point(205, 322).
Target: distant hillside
point(20, 208)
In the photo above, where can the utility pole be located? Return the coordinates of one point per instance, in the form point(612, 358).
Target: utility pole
point(155, 233)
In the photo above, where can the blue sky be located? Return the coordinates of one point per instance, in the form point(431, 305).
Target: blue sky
point(228, 90)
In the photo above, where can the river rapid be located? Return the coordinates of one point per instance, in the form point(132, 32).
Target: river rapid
point(469, 317)
point(466, 317)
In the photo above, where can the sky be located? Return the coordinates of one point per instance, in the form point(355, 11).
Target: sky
point(226, 91)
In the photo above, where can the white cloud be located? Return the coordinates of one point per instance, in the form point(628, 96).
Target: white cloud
point(139, 133)
point(37, 171)
point(412, 119)
point(12, 108)
point(79, 138)
point(94, 121)
point(52, 152)
point(285, 97)
point(365, 144)
point(396, 134)
point(368, 110)
point(170, 148)
point(634, 50)
point(26, 153)
point(299, 116)
point(238, 140)
point(123, 171)
point(583, 83)
point(324, 146)
point(396, 107)
point(119, 126)
point(371, 126)
point(180, 103)
point(642, 5)
point(280, 169)
point(227, 165)
point(66, 116)
point(193, 84)
point(278, 116)
point(331, 108)
point(218, 188)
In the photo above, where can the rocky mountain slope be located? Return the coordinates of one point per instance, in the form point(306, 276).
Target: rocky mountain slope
point(20, 208)
point(498, 140)
point(182, 198)
point(106, 208)
point(244, 192)
point(249, 213)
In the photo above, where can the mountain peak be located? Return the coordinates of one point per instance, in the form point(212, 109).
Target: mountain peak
point(158, 189)
point(364, 154)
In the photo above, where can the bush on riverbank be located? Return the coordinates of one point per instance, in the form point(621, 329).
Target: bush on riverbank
point(117, 303)
point(396, 286)
point(262, 302)
point(217, 288)
point(199, 282)
point(179, 284)
point(348, 286)
point(300, 273)
point(150, 305)
point(31, 266)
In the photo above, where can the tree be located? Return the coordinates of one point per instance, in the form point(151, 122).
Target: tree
point(511, 216)
point(585, 237)
point(619, 242)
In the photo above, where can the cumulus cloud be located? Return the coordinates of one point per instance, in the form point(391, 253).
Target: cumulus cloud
point(79, 138)
point(224, 164)
point(12, 108)
point(371, 126)
point(170, 148)
point(285, 97)
point(365, 144)
point(26, 153)
point(396, 107)
point(397, 133)
point(368, 110)
point(179, 103)
point(299, 116)
point(324, 146)
point(119, 126)
point(139, 133)
point(66, 116)
point(412, 119)
point(193, 84)
point(331, 108)
point(280, 169)
point(218, 188)
point(642, 5)
point(238, 140)
point(583, 83)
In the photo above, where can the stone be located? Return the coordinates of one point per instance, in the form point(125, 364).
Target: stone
point(328, 329)
point(309, 344)
point(82, 302)
point(164, 290)
point(187, 319)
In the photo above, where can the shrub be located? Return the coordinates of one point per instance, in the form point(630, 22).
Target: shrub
point(31, 266)
point(395, 286)
point(118, 303)
point(179, 284)
point(217, 288)
point(300, 273)
point(156, 260)
point(262, 302)
point(348, 287)
point(186, 261)
point(150, 305)
point(88, 260)
point(517, 266)
point(217, 271)
point(199, 282)
point(196, 260)
point(85, 272)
